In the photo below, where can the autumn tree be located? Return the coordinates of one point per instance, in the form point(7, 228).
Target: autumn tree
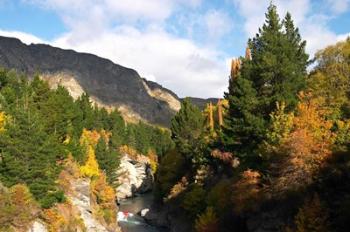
point(17, 208)
point(330, 80)
point(305, 150)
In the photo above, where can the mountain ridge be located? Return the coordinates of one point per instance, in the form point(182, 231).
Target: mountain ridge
point(108, 84)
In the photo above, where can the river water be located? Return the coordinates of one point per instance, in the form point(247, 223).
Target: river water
point(134, 222)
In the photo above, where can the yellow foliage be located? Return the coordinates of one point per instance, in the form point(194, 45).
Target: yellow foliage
point(207, 221)
point(153, 159)
point(2, 121)
point(307, 146)
point(281, 124)
point(343, 131)
point(90, 137)
point(90, 168)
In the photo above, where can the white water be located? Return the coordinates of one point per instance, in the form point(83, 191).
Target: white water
point(134, 222)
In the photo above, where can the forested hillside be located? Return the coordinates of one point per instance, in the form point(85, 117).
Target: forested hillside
point(274, 155)
point(43, 133)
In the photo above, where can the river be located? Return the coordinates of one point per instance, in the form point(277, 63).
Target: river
point(134, 222)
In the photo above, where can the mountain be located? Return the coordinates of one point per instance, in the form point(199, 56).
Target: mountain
point(108, 84)
point(202, 103)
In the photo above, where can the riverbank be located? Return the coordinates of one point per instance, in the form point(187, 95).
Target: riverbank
point(134, 222)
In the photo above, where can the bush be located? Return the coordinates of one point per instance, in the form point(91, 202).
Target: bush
point(63, 217)
point(207, 221)
point(17, 208)
point(246, 191)
point(312, 217)
point(219, 197)
point(170, 171)
point(194, 200)
point(103, 198)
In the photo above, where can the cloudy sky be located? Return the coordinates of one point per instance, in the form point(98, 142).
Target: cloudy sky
point(185, 45)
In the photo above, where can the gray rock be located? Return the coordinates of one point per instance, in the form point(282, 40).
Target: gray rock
point(38, 226)
point(144, 212)
point(134, 178)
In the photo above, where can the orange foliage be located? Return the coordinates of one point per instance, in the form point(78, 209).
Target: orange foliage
point(246, 191)
point(17, 208)
point(312, 217)
point(178, 188)
point(103, 197)
point(306, 148)
point(91, 137)
point(63, 217)
point(226, 157)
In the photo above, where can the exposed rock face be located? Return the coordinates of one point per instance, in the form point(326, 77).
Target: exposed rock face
point(108, 83)
point(38, 226)
point(81, 200)
point(157, 91)
point(134, 177)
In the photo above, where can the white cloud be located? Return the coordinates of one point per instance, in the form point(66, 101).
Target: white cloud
point(111, 29)
point(313, 27)
point(217, 24)
point(176, 63)
point(24, 37)
point(338, 6)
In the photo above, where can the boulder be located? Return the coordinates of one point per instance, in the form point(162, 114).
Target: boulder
point(135, 177)
point(38, 226)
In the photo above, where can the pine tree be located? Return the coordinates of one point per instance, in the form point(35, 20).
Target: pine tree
point(108, 160)
point(29, 156)
point(275, 72)
point(188, 130)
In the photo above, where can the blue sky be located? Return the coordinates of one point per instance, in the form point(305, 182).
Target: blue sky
point(185, 45)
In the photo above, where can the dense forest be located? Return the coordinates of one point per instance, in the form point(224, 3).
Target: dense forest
point(42, 130)
point(273, 155)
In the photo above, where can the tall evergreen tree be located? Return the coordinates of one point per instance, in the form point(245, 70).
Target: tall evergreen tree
point(108, 160)
point(275, 72)
point(188, 130)
point(29, 155)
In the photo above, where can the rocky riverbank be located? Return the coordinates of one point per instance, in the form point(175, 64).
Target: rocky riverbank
point(135, 176)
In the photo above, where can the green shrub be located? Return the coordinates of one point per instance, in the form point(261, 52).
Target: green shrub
point(170, 171)
point(194, 200)
point(220, 196)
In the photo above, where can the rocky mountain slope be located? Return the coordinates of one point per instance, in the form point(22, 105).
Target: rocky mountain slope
point(108, 84)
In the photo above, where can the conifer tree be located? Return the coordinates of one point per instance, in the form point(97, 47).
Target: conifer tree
point(188, 130)
point(108, 160)
point(29, 156)
point(275, 72)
